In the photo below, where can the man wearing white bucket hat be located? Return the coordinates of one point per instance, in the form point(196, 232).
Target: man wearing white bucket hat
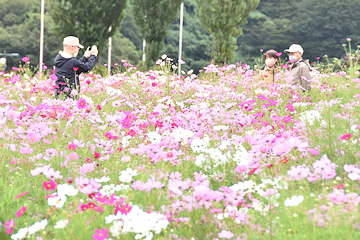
point(300, 68)
point(68, 67)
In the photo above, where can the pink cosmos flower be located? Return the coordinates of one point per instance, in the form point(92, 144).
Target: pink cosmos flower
point(10, 225)
point(26, 150)
point(33, 137)
point(225, 234)
point(72, 146)
point(175, 176)
point(138, 185)
point(21, 211)
point(81, 103)
point(313, 151)
point(15, 78)
point(53, 77)
point(22, 194)
point(97, 155)
point(25, 59)
point(290, 107)
point(287, 119)
point(51, 173)
point(49, 185)
point(241, 169)
point(101, 235)
point(87, 167)
point(74, 156)
point(346, 136)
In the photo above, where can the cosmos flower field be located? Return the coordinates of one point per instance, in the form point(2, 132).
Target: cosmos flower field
point(149, 155)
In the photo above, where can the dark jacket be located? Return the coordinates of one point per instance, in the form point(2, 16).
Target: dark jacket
point(65, 66)
point(299, 70)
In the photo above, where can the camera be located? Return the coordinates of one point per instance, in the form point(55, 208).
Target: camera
point(90, 48)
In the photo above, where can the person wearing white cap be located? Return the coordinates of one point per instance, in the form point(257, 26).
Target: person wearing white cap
point(68, 67)
point(300, 69)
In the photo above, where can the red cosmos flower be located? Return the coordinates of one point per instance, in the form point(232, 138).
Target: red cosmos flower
point(84, 207)
point(98, 107)
point(346, 136)
point(75, 68)
point(270, 165)
point(88, 81)
point(49, 185)
point(339, 186)
point(97, 155)
point(91, 195)
point(21, 211)
point(88, 160)
point(284, 160)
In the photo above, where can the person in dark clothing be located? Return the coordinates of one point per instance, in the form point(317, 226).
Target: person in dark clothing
point(68, 67)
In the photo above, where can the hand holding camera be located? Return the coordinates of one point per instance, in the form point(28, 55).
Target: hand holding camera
point(92, 50)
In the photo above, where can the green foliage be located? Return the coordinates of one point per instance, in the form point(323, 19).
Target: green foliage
point(153, 18)
point(89, 20)
point(20, 31)
point(122, 48)
point(196, 40)
point(222, 19)
point(321, 27)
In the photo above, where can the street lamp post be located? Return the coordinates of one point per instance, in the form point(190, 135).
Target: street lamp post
point(181, 34)
point(41, 60)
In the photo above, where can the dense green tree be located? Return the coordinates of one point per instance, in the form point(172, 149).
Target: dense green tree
point(222, 18)
point(122, 48)
point(89, 20)
point(196, 40)
point(321, 27)
point(20, 31)
point(153, 18)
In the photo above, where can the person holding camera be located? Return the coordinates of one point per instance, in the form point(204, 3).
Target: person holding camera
point(68, 67)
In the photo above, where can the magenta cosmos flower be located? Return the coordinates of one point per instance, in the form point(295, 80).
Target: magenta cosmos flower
point(49, 185)
point(81, 103)
point(10, 225)
point(346, 136)
point(21, 211)
point(101, 235)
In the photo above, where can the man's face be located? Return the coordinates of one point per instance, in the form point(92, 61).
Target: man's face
point(297, 54)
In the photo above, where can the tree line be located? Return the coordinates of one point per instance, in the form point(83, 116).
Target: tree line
point(217, 31)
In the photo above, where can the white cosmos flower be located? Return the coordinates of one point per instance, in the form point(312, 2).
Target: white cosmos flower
point(66, 189)
point(294, 201)
point(58, 201)
point(353, 176)
point(61, 224)
point(154, 137)
point(21, 234)
point(37, 226)
point(103, 179)
point(217, 128)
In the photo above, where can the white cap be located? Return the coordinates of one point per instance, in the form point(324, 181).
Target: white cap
point(72, 41)
point(295, 48)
